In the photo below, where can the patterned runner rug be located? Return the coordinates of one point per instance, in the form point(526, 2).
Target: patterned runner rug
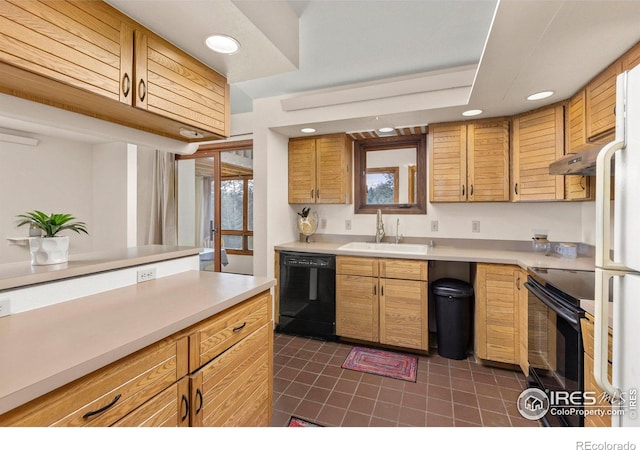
point(295, 422)
point(380, 362)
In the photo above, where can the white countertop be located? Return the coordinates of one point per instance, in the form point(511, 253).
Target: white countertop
point(523, 259)
point(46, 348)
point(19, 274)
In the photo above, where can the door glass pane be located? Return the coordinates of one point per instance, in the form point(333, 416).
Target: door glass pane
point(231, 204)
point(232, 242)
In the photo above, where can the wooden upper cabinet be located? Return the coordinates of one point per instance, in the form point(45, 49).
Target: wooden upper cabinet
point(86, 45)
point(87, 49)
point(469, 161)
point(302, 170)
point(601, 102)
point(488, 160)
point(577, 187)
point(320, 169)
point(538, 140)
point(631, 58)
point(447, 162)
point(175, 85)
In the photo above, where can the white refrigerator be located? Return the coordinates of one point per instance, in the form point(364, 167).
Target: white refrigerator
point(618, 271)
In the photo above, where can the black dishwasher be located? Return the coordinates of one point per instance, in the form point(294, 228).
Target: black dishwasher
point(308, 295)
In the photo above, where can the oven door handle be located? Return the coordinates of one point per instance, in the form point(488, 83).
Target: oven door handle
point(560, 310)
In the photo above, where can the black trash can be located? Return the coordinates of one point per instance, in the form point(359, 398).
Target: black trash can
point(453, 300)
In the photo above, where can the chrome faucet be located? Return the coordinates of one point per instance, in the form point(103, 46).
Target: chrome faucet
point(379, 227)
point(398, 235)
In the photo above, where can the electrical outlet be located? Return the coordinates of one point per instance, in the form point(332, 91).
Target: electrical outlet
point(5, 306)
point(475, 226)
point(347, 224)
point(146, 274)
point(434, 225)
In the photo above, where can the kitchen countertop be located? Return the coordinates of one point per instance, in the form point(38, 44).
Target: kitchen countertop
point(19, 274)
point(460, 253)
point(49, 347)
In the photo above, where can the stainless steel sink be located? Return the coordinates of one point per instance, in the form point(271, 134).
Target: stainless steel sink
point(385, 247)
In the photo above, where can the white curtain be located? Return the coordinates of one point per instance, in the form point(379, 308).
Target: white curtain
point(163, 224)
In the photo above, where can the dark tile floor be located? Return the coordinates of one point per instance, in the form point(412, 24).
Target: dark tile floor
point(309, 383)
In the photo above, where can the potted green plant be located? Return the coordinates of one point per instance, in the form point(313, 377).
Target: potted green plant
point(50, 248)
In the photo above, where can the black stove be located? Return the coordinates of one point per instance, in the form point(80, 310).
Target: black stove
point(570, 285)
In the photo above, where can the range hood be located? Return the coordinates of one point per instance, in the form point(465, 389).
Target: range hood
point(581, 163)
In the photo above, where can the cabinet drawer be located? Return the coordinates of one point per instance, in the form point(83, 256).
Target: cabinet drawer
point(213, 336)
point(365, 267)
point(403, 269)
point(170, 408)
point(116, 389)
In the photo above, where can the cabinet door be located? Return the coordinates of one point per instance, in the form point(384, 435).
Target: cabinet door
point(403, 313)
point(174, 85)
point(496, 313)
point(488, 160)
point(631, 58)
point(577, 187)
point(601, 102)
point(538, 140)
point(333, 169)
point(302, 171)
point(235, 388)
point(520, 277)
point(447, 163)
point(350, 265)
point(357, 307)
point(170, 408)
point(86, 45)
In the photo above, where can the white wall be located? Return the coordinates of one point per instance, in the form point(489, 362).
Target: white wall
point(145, 177)
point(54, 176)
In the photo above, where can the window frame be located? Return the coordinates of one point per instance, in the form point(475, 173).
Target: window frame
point(245, 232)
point(361, 147)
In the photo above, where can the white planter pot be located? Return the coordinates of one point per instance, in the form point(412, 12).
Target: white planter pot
point(51, 250)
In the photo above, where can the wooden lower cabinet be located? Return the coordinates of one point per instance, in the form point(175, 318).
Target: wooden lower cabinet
point(497, 321)
point(383, 301)
point(590, 385)
point(155, 386)
point(235, 388)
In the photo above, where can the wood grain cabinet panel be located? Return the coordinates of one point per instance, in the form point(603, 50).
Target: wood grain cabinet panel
point(496, 317)
point(172, 84)
point(469, 161)
point(382, 300)
point(601, 102)
point(631, 58)
point(170, 408)
point(447, 162)
point(320, 169)
point(213, 336)
point(234, 389)
point(90, 48)
point(538, 140)
point(577, 187)
point(520, 277)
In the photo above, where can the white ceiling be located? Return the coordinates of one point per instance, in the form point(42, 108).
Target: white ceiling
point(310, 51)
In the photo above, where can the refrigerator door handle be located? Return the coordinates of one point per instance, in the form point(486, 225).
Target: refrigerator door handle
point(601, 331)
point(603, 206)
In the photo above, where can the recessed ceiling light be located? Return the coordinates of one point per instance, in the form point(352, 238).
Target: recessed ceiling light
point(385, 129)
point(308, 130)
point(540, 95)
point(222, 44)
point(472, 112)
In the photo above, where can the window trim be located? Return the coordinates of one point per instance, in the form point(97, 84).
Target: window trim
point(361, 147)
